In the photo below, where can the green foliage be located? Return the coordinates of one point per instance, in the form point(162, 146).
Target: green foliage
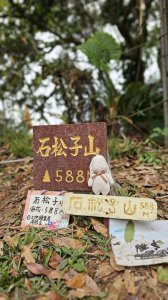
point(100, 49)
point(142, 104)
point(14, 271)
point(29, 237)
point(104, 243)
point(17, 141)
point(149, 157)
point(118, 147)
point(39, 49)
point(156, 135)
point(129, 232)
point(75, 259)
point(162, 274)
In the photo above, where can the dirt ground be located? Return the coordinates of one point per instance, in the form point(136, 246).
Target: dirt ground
point(136, 178)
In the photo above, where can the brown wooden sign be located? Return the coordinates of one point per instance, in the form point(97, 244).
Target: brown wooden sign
point(62, 154)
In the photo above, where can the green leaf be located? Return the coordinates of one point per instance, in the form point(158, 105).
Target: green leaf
point(100, 49)
point(78, 252)
point(162, 274)
point(64, 263)
point(47, 257)
point(67, 250)
point(79, 265)
point(70, 261)
point(129, 232)
point(109, 43)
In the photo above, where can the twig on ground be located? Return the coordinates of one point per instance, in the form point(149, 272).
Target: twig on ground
point(4, 162)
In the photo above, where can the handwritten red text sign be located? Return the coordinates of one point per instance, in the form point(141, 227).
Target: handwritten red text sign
point(62, 154)
point(44, 209)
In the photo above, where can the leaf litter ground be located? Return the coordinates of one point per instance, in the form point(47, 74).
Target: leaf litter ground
point(75, 263)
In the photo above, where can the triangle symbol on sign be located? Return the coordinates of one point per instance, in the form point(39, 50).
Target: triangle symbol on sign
point(46, 177)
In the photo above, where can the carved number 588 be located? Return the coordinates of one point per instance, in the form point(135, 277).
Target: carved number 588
point(70, 176)
point(146, 205)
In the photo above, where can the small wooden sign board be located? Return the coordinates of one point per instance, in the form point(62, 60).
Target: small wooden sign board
point(144, 209)
point(62, 154)
point(44, 209)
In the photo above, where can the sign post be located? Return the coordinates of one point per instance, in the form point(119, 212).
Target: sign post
point(62, 154)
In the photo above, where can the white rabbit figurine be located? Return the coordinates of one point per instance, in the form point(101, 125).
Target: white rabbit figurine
point(100, 176)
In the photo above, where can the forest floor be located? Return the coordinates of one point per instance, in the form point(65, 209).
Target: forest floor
point(40, 264)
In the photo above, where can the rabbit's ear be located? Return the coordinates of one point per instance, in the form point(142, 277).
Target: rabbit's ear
point(110, 177)
point(91, 168)
point(108, 169)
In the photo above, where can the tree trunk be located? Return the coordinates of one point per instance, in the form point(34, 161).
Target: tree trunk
point(164, 59)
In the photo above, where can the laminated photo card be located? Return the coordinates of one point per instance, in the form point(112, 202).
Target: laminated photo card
point(137, 243)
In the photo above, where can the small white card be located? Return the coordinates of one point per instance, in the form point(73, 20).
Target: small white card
point(136, 243)
point(44, 209)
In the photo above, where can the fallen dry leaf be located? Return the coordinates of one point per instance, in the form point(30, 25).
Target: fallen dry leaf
point(114, 265)
point(90, 283)
point(129, 281)
point(99, 227)
point(1, 232)
point(16, 259)
point(27, 284)
point(117, 290)
point(1, 248)
point(27, 254)
point(2, 195)
point(152, 282)
point(70, 274)
point(55, 259)
point(160, 213)
point(63, 242)
point(12, 241)
point(50, 296)
point(96, 252)
point(66, 242)
point(80, 232)
point(64, 231)
point(80, 293)
point(103, 270)
point(76, 282)
point(154, 274)
point(55, 274)
point(37, 269)
point(89, 288)
point(13, 272)
point(79, 244)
